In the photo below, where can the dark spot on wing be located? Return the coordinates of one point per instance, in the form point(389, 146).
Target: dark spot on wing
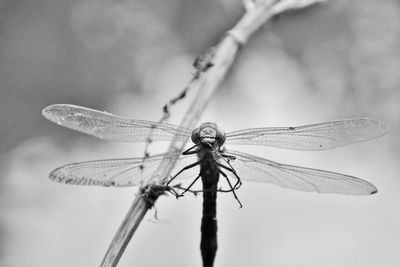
point(291, 128)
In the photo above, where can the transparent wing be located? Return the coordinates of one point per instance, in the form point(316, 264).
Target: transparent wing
point(253, 168)
point(119, 172)
point(111, 127)
point(320, 136)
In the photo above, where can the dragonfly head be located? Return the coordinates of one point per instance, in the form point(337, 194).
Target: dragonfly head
point(208, 134)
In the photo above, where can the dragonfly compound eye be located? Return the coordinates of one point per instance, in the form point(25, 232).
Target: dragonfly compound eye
point(220, 137)
point(196, 135)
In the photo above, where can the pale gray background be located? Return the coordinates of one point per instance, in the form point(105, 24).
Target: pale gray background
point(129, 57)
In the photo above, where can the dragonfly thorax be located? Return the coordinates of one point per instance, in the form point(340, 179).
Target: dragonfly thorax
point(208, 134)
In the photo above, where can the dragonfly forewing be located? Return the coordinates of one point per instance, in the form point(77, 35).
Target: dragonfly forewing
point(253, 168)
point(320, 136)
point(111, 127)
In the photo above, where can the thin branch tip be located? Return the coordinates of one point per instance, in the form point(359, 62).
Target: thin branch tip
point(288, 5)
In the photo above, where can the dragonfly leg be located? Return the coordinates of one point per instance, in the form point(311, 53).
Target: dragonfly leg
point(232, 188)
point(190, 151)
point(228, 157)
point(180, 187)
point(173, 191)
point(188, 188)
point(232, 170)
point(183, 169)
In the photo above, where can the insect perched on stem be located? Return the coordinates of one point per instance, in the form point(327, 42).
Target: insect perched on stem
point(208, 158)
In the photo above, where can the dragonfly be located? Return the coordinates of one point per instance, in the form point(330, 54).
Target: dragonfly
point(209, 158)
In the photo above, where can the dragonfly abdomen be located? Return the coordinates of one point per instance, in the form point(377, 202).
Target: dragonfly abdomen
point(209, 172)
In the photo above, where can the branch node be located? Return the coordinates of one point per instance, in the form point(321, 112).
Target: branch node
point(237, 37)
point(151, 193)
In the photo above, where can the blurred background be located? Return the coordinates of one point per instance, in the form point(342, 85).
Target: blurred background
point(337, 60)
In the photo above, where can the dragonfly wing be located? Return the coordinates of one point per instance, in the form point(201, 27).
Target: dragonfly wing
point(253, 168)
point(117, 172)
point(111, 127)
point(320, 136)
